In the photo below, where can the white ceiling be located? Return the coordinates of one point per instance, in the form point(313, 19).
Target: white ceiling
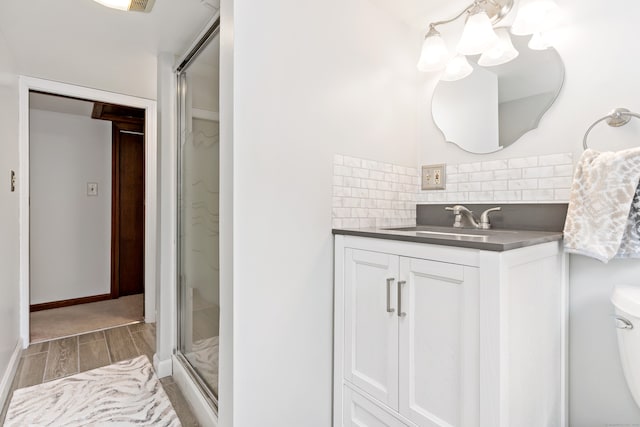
point(59, 104)
point(170, 26)
point(74, 40)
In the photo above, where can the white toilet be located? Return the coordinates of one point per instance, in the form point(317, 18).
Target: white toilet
point(626, 300)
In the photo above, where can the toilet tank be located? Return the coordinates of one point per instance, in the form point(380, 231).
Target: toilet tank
point(626, 301)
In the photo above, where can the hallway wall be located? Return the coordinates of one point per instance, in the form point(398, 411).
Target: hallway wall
point(70, 231)
point(9, 255)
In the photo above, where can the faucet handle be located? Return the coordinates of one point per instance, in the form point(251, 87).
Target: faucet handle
point(484, 218)
point(457, 209)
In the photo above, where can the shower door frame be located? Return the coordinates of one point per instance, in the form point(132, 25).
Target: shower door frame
point(207, 36)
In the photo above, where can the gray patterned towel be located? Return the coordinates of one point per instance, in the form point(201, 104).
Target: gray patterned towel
point(603, 220)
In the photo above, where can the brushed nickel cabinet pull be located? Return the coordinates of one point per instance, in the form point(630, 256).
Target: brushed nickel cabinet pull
point(389, 281)
point(400, 285)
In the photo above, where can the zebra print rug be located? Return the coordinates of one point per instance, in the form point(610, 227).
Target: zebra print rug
point(126, 393)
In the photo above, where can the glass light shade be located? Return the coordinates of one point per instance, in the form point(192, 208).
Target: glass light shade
point(501, 53)
point(434, 54)
point(477, 36)
point(534, 16)
point(115, 4)
point(457, 69)
point(537, 42)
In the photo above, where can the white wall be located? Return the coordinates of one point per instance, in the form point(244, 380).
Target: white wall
point(9, 251)
point(70, 231)
point(595, 44)
point(311, 79)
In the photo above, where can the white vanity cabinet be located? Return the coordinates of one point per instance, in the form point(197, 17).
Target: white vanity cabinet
point(430, 335)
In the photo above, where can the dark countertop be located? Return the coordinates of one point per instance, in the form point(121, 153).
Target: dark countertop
point(488, 240)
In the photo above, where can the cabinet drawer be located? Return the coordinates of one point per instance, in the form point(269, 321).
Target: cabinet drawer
point(362, 412)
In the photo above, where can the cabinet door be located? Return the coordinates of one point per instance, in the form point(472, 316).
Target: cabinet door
point(361, 412)
point(371, 328)
point(439, 343)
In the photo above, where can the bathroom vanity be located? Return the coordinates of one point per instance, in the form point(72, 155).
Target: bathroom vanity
point(449, 328)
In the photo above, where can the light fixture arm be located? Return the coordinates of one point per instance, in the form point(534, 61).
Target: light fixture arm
point(433, 25)
point(498, 11)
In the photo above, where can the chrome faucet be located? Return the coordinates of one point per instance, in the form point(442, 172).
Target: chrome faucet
point(464, 217)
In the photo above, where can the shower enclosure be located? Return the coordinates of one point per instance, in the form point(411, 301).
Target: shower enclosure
point(198, 213)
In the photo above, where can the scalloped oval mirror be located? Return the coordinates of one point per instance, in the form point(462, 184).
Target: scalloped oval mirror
point(494, 106)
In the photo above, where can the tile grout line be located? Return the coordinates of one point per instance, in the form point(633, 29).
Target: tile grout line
point(106, 344)
point(33, 354)
point(46, 363)
point(134, 341)
point(106, 341)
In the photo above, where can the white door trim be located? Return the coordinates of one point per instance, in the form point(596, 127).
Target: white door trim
point(151, 194)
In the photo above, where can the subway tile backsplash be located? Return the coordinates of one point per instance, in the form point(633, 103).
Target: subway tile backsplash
point(533, 179)
point(369, 193)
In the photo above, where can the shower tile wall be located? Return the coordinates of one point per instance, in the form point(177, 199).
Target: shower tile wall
point(369, 193)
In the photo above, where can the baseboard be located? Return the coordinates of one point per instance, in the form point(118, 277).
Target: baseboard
point(199, 405)
point(9, 374)
point(68, 302)
point(149, 317)
point(164, 368)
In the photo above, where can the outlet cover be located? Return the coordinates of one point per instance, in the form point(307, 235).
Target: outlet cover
point(434, 177)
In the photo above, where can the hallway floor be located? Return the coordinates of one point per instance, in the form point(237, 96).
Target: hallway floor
point(46, 361)
point(78, 319)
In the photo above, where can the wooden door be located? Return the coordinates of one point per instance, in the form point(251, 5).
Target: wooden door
point(439, 343)
point(127, 275)
point(371, 327)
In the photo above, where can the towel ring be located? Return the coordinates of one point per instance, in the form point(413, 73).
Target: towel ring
point(618, 117)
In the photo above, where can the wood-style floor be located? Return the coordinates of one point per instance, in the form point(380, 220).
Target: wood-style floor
point(49, 360)
point(62, 322)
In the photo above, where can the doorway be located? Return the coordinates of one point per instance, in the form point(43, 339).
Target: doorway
point(87, 215)
point(137, 144)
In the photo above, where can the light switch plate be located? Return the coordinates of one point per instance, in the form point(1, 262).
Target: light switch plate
point(434, 177)
point(92, 189)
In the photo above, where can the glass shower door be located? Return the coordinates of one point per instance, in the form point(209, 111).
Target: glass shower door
point(198, 215)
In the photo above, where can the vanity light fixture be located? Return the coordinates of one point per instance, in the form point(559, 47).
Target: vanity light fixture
point(479, 36)
point(502, 52)
point(537, 42)
point(534, 16)
point(434, 54)
point(128, 5)
point(457, 69)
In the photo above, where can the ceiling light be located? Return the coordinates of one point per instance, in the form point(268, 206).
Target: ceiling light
point(457, 69)
point(478, 34)
point(128, 5)
point(502, 52)
point(434, 53)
